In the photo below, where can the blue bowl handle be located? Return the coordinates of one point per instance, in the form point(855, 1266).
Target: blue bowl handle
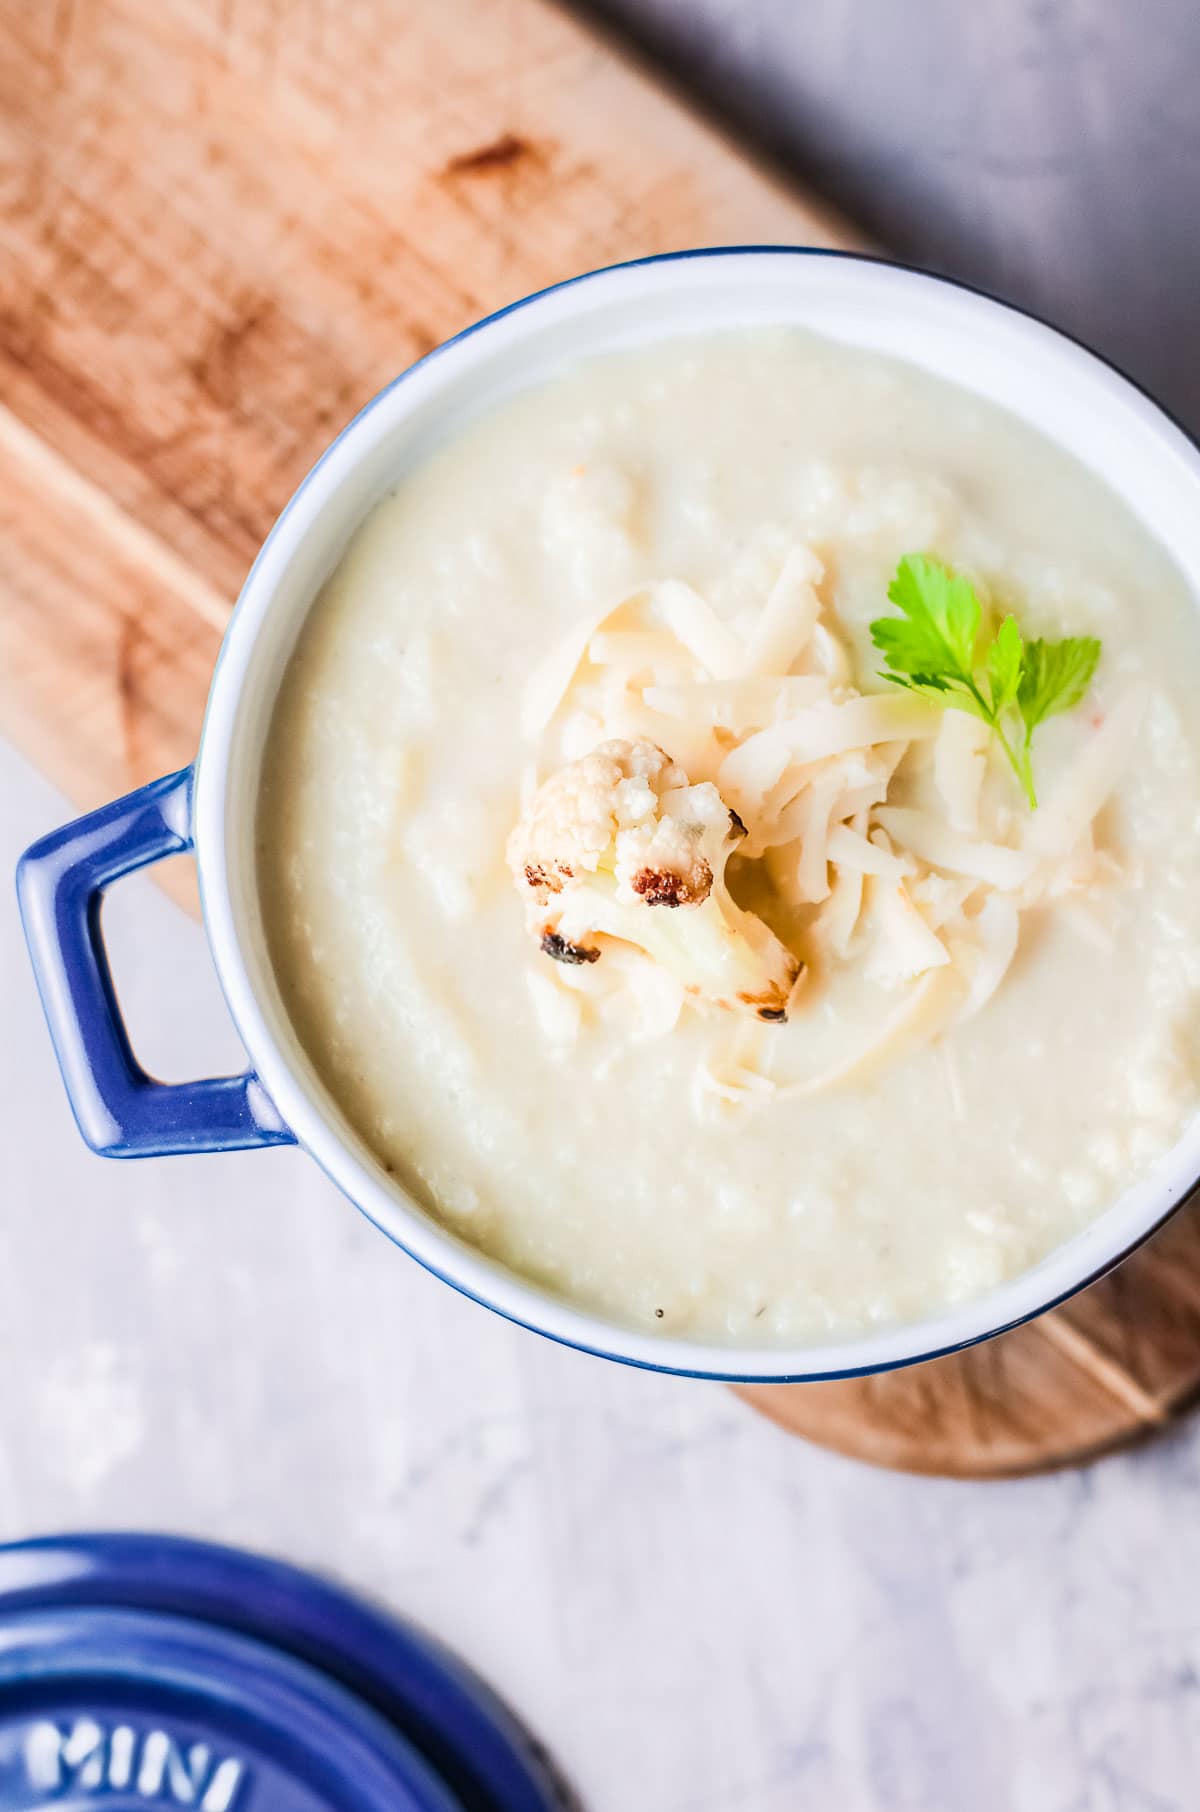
point(122, 1112)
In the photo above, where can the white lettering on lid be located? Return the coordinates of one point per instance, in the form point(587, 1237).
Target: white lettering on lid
point(88, 1758)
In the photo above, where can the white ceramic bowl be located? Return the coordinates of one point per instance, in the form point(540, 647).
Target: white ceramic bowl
point(983, 345)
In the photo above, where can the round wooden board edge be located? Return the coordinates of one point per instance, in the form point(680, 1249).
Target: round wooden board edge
point(920, 1464)
point(1116, 1365)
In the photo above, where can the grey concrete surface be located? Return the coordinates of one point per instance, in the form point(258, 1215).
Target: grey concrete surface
point(1045, 149)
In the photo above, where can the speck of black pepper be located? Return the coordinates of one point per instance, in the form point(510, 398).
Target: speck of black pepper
point(775, 1015)
point(660, 1313)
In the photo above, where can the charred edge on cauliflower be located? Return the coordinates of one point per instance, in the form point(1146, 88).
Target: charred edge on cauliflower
point(548, 877)
point(662, 887)
point(563, 952)
point(622, 830)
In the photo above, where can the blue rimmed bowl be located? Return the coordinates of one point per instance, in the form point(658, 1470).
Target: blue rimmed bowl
point(1055, 385)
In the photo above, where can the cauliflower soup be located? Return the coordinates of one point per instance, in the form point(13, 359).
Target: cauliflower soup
point(728, 839)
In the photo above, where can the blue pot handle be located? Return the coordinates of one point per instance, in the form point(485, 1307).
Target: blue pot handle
point(121, 1111)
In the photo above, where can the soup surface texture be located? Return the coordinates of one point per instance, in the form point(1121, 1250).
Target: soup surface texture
point(923, 1126)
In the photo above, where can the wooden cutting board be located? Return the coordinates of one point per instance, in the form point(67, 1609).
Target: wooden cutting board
point(223, 227)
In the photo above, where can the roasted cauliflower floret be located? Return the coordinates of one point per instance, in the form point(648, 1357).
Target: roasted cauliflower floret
point(620, 845)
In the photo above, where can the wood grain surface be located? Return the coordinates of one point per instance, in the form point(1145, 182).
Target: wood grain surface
point(222, 228)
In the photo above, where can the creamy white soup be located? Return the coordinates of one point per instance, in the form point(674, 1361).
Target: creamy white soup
point(686, 945)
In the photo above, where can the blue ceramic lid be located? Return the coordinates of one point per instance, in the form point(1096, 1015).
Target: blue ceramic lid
point(146, 1671)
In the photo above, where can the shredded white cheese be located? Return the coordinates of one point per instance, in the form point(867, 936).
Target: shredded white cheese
point(693, 620)
point(789, 616)
point(750, 771)
point(746, 704)
point(903, 945)
point(882, 829)
point(985, 955)
point(639, 648)
point(812, 874)
point(830, 656)
point(550, 679)
point(1083, 790)
point(959, 764)
point(923, 1011)
point(941, 847)
point(835, 924)
point(848, 848)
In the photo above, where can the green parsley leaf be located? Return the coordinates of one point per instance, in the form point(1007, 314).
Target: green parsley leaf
point(1055, 677)
point(936, 635)
point(933, 647)
point(1005, 664)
